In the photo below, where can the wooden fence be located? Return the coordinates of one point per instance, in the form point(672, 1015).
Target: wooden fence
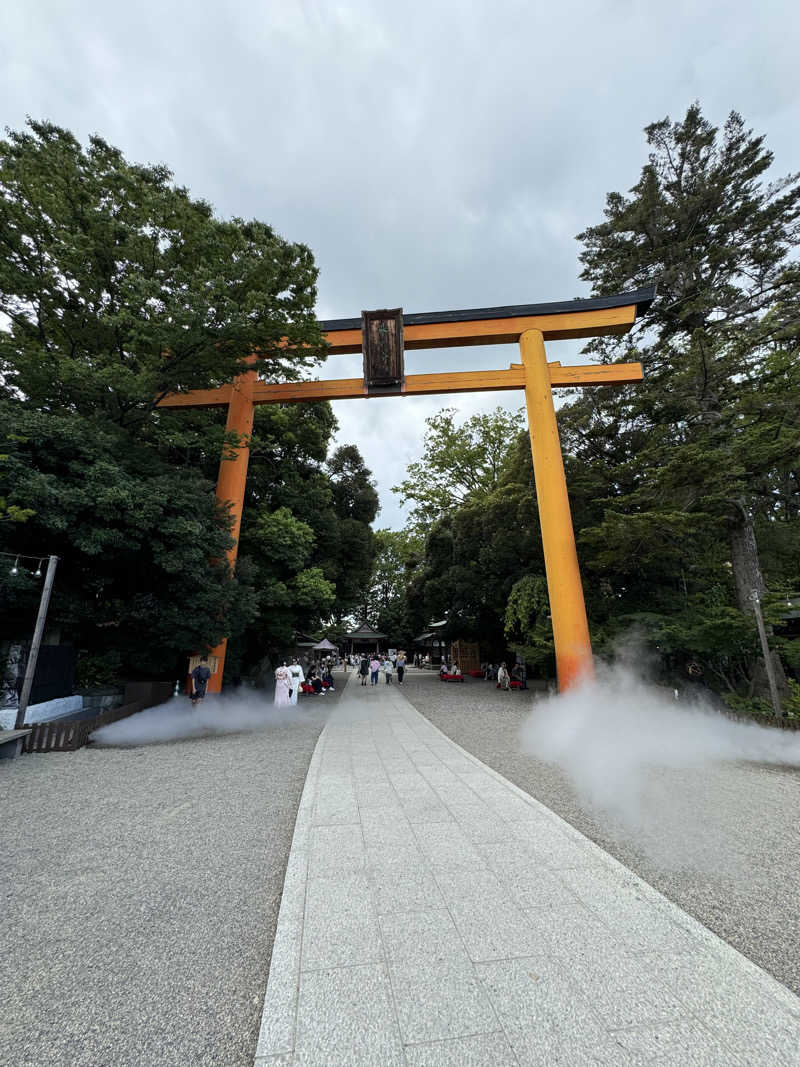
point(59, 736)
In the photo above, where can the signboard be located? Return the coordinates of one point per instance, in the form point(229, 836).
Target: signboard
point(212, 664)
point(382, 348)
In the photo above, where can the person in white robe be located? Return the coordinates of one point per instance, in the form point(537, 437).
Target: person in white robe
point(298, 676)
point(283, 686)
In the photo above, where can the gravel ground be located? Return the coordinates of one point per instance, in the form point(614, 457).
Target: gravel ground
point(140, 893)
point(742, 818)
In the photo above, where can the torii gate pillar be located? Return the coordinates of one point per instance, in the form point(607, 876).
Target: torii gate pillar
point(567, 608)
point(231, 482)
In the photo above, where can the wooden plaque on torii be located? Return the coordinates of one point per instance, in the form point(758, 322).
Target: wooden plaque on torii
point(382, 347)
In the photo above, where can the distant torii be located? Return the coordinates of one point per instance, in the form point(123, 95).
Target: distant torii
point(382, 337)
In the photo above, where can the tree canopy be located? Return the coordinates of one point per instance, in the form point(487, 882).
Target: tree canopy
point(459, 462)
point(116, 287)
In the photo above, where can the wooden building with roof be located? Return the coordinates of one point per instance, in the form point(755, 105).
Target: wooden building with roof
point(365, 639)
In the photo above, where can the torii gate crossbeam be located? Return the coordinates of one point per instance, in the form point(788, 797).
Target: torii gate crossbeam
point(529, 325)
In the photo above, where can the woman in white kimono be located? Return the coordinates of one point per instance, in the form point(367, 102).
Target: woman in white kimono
point(283, 685)
point(296, 671)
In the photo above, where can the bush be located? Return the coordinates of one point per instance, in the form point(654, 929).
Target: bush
point(758, 708)
point(98, 669)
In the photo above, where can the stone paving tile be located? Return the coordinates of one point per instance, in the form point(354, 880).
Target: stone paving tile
point(336, 849)
point(347, 1017)
point(376, 794)
point(482, 830)
point(340, 927)
point(623, 993)
point(483, 1050)
point(403, 854)
point(425, 811)
point(512, 849)
point(639, 925)
point(447, 846)
point(385, 823)
point(572, 932)
point(440, 1000)
point(335, 807)
point(539, 1009)
point(461, 885)
point(422, 936)
point(412, 786)
point(436, 774)
point(494, 931)
point(531, 885)
point(400, 888)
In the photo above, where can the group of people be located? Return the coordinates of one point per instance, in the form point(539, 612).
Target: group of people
point(504, 677)
point(291, 679)
point(377, 664)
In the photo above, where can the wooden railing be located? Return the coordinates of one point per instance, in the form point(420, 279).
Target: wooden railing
point(58, 736)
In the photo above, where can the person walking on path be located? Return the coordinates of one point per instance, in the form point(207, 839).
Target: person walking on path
point(200, 676)
point(388, 669)
point(374, 667)
point(401, 667)
point(363, 669)
point(503, 677)
point(283, 686)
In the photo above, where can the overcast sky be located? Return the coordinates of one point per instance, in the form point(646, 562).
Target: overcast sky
point(433, 155)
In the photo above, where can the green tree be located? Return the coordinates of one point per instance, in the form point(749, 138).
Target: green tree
point(459, 462)
point(474, 557)
point(527, 622)
point(397, 555)
point(306, 535)
point(691, 463)
point(116, 287)
point(134, 535)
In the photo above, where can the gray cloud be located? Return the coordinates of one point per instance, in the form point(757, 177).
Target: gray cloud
point(433, 155)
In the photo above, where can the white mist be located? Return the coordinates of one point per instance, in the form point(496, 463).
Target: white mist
point(653, 769)
point(218, 714)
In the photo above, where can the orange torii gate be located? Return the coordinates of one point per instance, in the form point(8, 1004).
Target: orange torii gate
point(382, 337)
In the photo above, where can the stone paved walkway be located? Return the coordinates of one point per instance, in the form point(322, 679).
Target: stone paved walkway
point(434, 915)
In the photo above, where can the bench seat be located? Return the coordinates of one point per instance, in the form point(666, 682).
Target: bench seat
point(11, 742)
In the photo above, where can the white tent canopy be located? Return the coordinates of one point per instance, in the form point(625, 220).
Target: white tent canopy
point(325, 646)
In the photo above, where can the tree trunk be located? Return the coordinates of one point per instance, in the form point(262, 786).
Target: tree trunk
point(749, 579)
point(744, 557)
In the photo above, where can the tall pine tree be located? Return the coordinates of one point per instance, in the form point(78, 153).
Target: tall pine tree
point(706, 448)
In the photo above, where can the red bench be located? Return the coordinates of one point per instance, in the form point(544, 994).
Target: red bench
point(475, 674)
point(452, 677)
point(513, 684)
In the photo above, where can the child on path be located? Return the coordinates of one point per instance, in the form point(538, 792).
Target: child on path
point(374, 667)
point(388, 670)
